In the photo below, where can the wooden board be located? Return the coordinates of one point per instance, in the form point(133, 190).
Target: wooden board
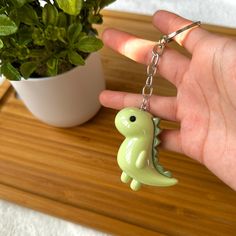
point(73, 174)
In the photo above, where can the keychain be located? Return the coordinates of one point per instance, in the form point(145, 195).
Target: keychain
point(137, 156)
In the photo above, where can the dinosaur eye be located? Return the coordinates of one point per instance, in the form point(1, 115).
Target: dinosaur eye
point(132, 118)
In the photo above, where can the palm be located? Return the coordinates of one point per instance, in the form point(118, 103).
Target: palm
point(206, 99)
point(203, 102)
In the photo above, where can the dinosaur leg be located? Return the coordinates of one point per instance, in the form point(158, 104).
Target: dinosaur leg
point(125, 178)
point(135, 185)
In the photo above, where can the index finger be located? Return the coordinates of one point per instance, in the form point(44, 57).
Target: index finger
point(168, 22)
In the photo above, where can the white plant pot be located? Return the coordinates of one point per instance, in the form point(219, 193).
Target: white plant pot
point(65, 100)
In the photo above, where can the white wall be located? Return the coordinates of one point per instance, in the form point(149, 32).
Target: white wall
point(218, 12)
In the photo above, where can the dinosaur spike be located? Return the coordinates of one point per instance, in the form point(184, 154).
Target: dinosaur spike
point(156, 142)
point(157, 131)
point(156, 120)
point(155, 155)
point(167, 173)
point(160, 168)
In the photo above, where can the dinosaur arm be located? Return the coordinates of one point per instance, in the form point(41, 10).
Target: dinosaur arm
point(141, 160)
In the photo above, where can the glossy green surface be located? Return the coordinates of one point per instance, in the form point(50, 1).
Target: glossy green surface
point(136, 155)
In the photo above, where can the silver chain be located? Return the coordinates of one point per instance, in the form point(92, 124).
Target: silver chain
point(157, 52)
point(147, 90)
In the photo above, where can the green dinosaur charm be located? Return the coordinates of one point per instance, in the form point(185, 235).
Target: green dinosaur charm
point(137, 154)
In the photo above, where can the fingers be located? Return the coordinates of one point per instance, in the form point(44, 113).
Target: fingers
point(164, 107)
point(171, 140)
point(172, 65)
point(139, 50)
point(168, 22)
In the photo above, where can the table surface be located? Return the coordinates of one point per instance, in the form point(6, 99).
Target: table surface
point(73, 174)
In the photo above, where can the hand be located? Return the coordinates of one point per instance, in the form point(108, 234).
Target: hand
point(206, 99)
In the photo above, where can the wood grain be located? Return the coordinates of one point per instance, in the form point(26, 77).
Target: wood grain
point(4, 87)
point(73, 174)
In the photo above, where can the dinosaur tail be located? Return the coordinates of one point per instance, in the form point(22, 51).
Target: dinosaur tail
point(160, 169)
point(154, 178)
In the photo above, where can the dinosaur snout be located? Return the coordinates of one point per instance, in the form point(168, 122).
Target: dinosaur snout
point(121, 122)
point(126, 121)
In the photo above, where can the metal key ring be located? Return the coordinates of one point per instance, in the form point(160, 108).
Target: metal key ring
point(168, 38)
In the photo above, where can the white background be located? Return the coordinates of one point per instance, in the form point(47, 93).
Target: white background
point(218, 12)
point(18, 221)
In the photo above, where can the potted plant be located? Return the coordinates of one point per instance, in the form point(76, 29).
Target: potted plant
point(47, 51)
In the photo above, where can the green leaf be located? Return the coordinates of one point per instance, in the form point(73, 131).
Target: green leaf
point(71, 7)
point(52, 65)
point(54, 33)
point(75, 58)
point(22, 52)
point(90, 44)
point(105, 3)
point(95, 19)
point(1, 44)
point(2, 10)
point(27, 69)
point(62, 20)
point(74, 31)
point(50, 15)
point(14, 17)
point(82, 35)
point(27, 15)
point(19, 3)
point(7, 26)
point(25, 35)
point(10, 72)
point(38, 36)
point(61, 34)
point(62, 54)
point(36, 53)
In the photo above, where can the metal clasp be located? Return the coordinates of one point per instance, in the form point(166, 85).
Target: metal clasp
point(168, 38)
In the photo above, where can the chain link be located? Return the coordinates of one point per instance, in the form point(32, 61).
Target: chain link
point(157, 52)
point(147, 90)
